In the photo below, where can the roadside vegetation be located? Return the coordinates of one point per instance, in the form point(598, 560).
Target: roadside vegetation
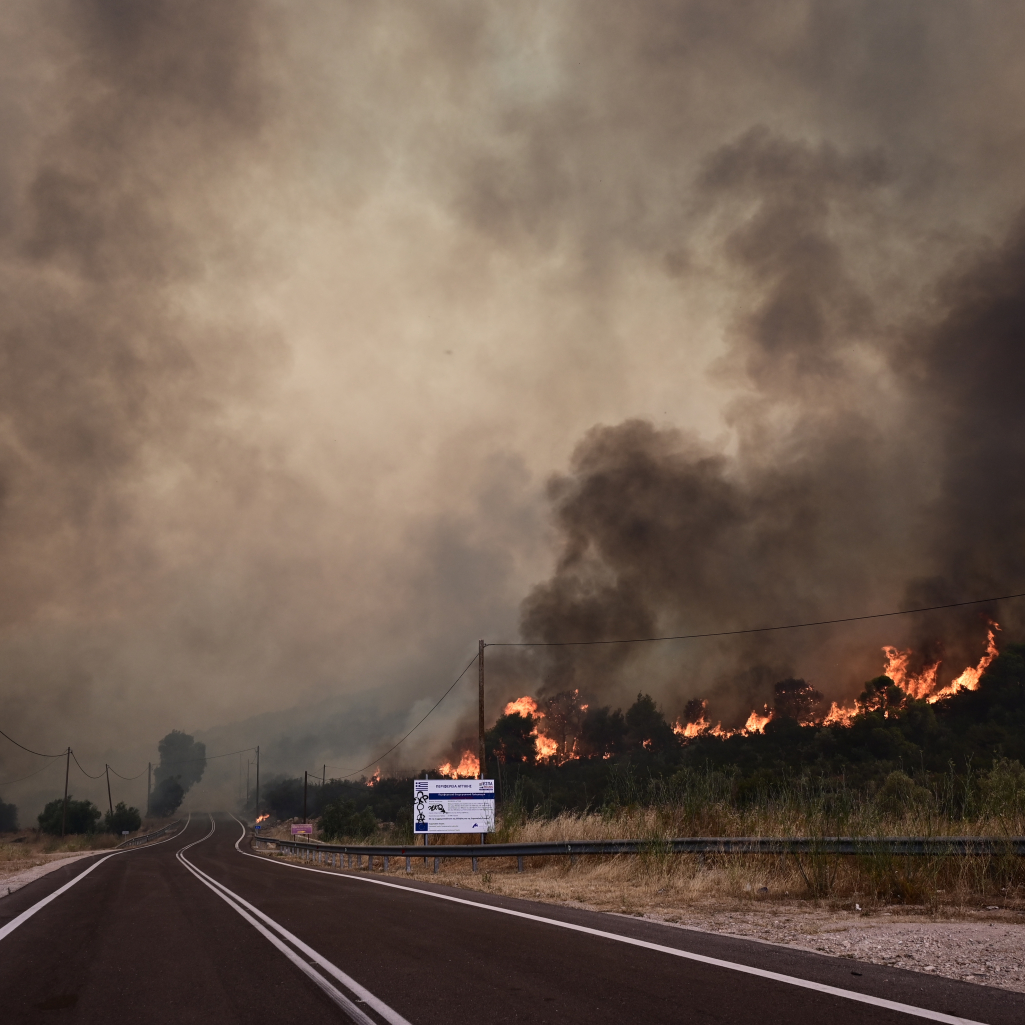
point(899, 767)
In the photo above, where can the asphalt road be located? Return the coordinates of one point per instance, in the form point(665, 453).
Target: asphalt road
point(195, 929)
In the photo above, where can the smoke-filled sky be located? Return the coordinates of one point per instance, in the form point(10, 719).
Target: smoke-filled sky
point(334, 336)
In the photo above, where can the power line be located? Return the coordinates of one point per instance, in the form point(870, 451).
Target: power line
point(7, 783)
point(750, 630)
point(84, 773)
point(30, 751)
point(395, 745)
point(126, 778)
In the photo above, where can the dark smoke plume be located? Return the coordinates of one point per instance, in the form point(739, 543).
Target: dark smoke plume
point(833, 502)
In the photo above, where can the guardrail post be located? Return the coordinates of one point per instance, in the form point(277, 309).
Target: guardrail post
point(436, 860)
point(519, 863)
point(473, 862)
point(409, 867)
point(386, 863)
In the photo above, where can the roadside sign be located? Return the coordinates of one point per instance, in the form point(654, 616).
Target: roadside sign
point(453, 805)
point(124, 832)
point(304, 827)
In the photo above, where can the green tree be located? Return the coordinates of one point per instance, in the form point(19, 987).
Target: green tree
point(341, 820)
point(511, 739)
point(181, 758)
point(81, 818)
point(124, 818)
point(646, 726)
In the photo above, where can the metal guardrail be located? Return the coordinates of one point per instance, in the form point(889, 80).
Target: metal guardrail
point(934, 846)
point(136, 840)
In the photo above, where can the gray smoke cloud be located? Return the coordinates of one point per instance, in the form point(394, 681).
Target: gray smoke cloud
point(302, 306)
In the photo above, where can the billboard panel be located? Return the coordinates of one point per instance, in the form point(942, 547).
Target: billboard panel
point(453, 805)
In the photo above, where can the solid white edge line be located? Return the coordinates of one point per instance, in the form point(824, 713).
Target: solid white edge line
point(239, 904)
point(39, 905)
point(764, 973)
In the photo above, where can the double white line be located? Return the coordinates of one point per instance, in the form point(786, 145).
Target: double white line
point(267, 928)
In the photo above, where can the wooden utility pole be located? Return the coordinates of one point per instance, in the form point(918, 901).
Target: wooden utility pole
point(480, 716)
point(149, 783)
point(306, 783)
point(64, 815)
point(257, 781)
point(106, 768)
point(480, 706)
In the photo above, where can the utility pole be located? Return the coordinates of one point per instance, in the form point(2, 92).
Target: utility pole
point(257, 781)
point(248, 763)
point(480, 705)
point(110, 801)
point(480, 714)
point(306, 783)
point(149, 783)
point(67, 769)
point(324, 781)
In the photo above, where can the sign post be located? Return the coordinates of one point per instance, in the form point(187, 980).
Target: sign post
point(453, 806)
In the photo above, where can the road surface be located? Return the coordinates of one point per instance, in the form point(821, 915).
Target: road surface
point(198, 929)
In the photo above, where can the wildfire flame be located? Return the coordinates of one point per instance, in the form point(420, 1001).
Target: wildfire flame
point(523, 706)
point(969, 679)
point(262, 818)
point(547, 748)
point(376, 776)
point(756, 723)
point(468, 767)
point(839, 715)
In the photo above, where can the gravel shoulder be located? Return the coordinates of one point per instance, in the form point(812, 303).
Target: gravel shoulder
point(13, 876)
point(983, 947)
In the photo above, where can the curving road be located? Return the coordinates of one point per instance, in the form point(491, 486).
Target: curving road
point(199, 929)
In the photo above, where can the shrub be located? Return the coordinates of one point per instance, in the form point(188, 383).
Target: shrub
point(81, 818)
point(900, 794)
point(342, 820)
point(124, 818)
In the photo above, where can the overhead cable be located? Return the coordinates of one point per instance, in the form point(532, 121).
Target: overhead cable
point(396, 744)
point(8, 782)
point(30, 751)
point(84, 773)
point(750, 630)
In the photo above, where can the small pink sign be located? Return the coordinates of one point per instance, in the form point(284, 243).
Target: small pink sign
point(303, 828)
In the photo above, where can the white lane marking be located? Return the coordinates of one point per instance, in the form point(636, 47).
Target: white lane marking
point(243, 907)
point(39, 905)
point(763, 973)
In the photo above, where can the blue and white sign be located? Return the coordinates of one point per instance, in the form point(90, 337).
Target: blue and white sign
point(453, 805)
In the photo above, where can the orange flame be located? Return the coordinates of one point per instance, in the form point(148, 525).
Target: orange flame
point(969, 679)
point(756, 723)
point(468, 767)
point(546, 747)
point(523, 706)
point(916, 685)
point(923, 684)
point(376, 776)
point(839, 715)
point(262, 818)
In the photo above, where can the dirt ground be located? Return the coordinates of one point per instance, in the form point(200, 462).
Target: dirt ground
point(984, 944)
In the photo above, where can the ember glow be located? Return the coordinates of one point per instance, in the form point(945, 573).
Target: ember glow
point(468, 767)
point(376, 776)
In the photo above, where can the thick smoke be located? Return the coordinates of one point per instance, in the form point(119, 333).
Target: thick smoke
point(300, 310)
point(872, 471)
